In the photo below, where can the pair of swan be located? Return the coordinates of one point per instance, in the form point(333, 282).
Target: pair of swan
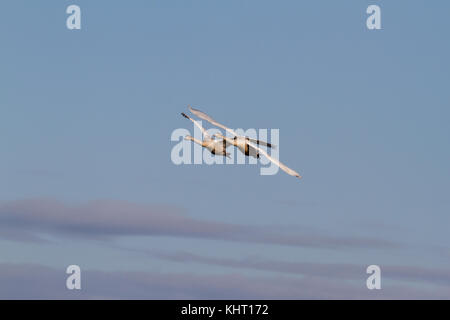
point(219, 146)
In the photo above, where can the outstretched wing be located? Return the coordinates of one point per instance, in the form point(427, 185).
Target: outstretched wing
point(204, 116)
point(276, 162)
point(197, 124)
point(263, 143)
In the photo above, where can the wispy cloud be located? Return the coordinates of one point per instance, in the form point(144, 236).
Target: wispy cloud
point(26, 281)
point(434, 276)
point(17, 235)
point(109, 218)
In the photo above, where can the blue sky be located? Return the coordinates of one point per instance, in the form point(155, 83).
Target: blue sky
point(85, 124)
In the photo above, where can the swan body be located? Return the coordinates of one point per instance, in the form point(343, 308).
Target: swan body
point(216, 147)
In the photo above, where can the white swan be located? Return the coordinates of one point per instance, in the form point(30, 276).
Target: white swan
point(246, 145)
point(204, 116)
point(216, 147)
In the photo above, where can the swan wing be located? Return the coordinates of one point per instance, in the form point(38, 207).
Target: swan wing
point(205, 117)
point(281, 165)
point(276, 162)
point(262, 143)
point(197, 124)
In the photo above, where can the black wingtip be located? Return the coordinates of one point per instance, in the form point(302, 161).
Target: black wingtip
point(184, 115)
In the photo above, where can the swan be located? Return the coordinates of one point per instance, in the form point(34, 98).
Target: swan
point(204, 116)
point(246, 145)
point(216, 147)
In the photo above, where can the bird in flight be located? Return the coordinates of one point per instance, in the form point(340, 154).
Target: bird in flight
point(216, 147)
point(246, 145)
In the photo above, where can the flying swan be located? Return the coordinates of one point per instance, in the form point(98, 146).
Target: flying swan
point(216, 147)
point(244, 144)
